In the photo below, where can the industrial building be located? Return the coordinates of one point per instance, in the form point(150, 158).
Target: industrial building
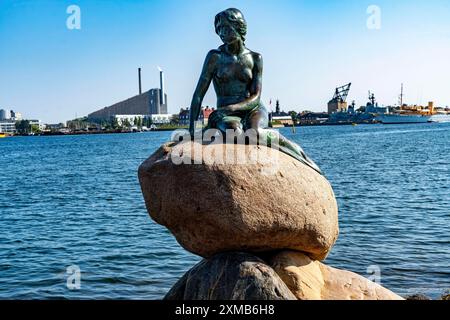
point(152, 102)
point(338, 103)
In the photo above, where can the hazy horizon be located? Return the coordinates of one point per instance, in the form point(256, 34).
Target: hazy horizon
point(53, 73)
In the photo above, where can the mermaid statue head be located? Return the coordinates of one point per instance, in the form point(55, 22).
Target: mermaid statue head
point(230, 25)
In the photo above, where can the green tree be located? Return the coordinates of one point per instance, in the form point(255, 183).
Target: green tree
point(35, 128)
point(114, 123)
point(293, 115)
point(175, 119)
point(23, 126)
point(126, 123)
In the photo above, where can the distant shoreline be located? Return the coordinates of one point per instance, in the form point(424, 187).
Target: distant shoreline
point(93, 132)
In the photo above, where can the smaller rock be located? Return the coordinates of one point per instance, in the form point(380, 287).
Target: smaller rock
point(312, 280)
point(446, 297)
point(230, 276)
point(418, 296)
point(177, 291)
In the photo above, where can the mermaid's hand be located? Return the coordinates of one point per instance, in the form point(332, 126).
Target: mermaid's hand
point(230, 108)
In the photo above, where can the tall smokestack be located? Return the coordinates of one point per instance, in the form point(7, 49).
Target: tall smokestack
point(140, 81)
point(161, 84)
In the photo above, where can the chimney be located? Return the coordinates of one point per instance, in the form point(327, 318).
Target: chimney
point(431, 107)
point(161, 82)
point(140, 82)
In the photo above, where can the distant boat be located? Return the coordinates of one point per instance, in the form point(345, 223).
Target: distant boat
point(440, 117)
point(407, 114)
point(403, 118)
point(3, 134)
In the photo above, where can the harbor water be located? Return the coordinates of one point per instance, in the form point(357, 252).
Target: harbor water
point(75, 202)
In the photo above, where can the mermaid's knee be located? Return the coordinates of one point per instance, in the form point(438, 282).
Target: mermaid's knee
point(257, 118)
point(230, 124)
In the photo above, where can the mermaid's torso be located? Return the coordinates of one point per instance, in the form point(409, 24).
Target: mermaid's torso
point(233, 77)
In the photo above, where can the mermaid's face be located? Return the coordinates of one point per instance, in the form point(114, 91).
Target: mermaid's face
point(226, 32)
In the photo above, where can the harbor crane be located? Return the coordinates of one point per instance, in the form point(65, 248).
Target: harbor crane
point(338, 103)
point(341, 93)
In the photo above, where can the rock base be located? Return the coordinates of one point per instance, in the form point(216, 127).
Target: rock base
point(288, 275)
point(313, 280)
point(230, 276)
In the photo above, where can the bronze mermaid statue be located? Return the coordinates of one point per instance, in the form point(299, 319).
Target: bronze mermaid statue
point(236, 73)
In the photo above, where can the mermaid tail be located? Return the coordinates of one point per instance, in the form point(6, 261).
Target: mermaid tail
point(280, 142)
point(257, 119)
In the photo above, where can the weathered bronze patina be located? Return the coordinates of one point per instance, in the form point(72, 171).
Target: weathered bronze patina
point(236, 73)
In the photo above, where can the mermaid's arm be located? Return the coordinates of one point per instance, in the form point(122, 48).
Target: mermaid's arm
point(202, 86)
point(255, 87)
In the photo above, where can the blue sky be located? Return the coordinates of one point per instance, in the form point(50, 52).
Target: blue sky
point(54, 74)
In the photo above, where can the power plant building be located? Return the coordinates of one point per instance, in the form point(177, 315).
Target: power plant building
point(149, 103)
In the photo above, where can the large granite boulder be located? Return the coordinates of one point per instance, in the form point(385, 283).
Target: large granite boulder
point(239, 198)
point(313, 280)
point(230, 276)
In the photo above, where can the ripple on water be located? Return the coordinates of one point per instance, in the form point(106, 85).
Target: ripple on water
point(80, 203)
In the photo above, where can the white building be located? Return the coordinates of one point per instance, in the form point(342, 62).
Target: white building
point(155, 118)
point(7, 126)
point(55, 126)
point(38, 123)
point(122, 118)
point(160, 118)
point(17, 116)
